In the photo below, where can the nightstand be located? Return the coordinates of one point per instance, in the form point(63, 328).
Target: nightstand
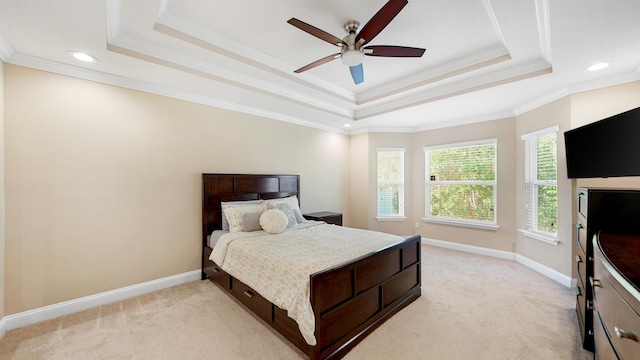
point(326, 216)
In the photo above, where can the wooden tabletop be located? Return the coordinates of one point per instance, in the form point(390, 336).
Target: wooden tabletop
point(623, 252)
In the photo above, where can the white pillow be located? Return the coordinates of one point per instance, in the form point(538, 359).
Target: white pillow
point(225, 222)
point(235, 214)
point(287, 210)
point(273, 221)
point(293, 202)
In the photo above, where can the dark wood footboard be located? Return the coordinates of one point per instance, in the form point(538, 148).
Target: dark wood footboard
point(349, 301)
point(353, 299)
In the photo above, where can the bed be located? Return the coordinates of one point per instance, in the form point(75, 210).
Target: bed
point(348, 300)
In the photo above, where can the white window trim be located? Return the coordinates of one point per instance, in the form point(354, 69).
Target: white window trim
point(493, 225)
point(401, 216)
point(540, 132)
point(391, 218)
point(553, 240)
point(463, 223)
point(543, 236)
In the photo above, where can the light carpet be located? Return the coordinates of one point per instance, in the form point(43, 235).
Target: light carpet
point(472, 307)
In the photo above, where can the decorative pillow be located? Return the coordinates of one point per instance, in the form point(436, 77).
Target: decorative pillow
point(287, 210)
point(251, 221)
point(298, 214)
point(273, 221)
point(235, 214)
point(225, 222)
point(293, 202)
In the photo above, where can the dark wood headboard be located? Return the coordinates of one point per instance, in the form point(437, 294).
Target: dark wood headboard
point(217, 188)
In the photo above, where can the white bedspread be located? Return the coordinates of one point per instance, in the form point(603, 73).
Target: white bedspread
point(279, 266)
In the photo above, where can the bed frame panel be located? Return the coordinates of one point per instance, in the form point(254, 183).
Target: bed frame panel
point(349, 300)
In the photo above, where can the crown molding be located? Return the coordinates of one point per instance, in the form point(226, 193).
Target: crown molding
point(6, 51)
point(544, 28)
point(469, 62)
point(137, 48)
point(517, 72)
point(182, 29)
point(91, 75)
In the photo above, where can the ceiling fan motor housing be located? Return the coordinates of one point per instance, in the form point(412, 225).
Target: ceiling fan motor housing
point(351, 53)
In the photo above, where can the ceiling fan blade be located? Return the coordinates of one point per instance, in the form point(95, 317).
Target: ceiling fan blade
point(380, 20)
point(357, 73)
point(324, 60)
point(321, 34)
point(393, 51)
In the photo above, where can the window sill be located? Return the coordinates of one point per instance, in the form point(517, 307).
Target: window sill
point(493, 227)
point(541, 237)
point(391, 218)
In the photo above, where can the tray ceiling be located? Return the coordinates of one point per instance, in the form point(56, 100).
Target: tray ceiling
point(484, 59)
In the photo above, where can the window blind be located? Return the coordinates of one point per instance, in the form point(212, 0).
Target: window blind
point(461, 181)
point(390, 182)
point(541, 198)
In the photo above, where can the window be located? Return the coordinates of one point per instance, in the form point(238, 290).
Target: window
point(540, 185)
point(390, 183)
point(460, 184)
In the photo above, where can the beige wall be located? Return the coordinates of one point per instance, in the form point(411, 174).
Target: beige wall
point(2, 227)
point(390, 140)
point(557, 257)
point(358, 210)
point(503, 130)
point(103, 184)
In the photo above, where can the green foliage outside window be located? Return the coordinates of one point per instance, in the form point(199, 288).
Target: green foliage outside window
point(461, 182)
point(469, 202)
point(547, 193)
point(547, 208)
point(390, 182)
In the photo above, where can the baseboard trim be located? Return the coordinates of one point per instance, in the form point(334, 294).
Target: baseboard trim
point(545, 270)
point(30, 317)
point(507, 255)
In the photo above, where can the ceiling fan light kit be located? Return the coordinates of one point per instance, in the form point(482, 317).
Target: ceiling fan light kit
point(352, 46)
point(352, 57)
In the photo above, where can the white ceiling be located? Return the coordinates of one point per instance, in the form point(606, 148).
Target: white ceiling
point(484, 59)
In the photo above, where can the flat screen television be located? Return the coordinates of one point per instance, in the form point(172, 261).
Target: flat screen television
point(606, 148)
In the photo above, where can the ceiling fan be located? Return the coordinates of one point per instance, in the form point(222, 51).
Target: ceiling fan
point(353, 46)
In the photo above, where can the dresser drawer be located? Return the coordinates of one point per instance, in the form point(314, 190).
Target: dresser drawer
point(581, 267)
point(261, 306)
point(583, 203)
point(581, 303)
point(624, 326)
point(620, 320)
point(604, 349)
point(581, 236)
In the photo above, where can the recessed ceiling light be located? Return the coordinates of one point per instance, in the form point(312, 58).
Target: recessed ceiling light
point(347, 125)
point(598, 66)
point(83, 56)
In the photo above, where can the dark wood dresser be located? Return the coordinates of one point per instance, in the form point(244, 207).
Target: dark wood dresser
point(609, 211)
point(326, 216)
point(616, 294)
